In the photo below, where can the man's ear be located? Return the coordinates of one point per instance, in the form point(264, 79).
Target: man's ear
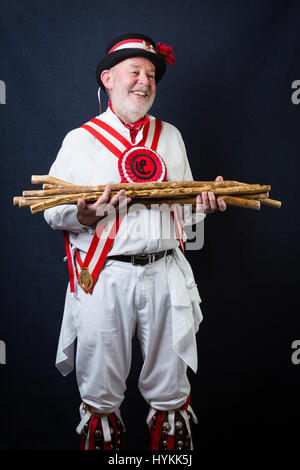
point(106, 78)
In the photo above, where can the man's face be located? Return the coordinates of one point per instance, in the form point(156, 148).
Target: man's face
point(132, 88)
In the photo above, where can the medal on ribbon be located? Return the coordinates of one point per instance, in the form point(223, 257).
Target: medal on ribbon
point(85, 279)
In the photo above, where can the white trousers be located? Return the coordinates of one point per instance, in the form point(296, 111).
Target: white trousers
point(126, 298)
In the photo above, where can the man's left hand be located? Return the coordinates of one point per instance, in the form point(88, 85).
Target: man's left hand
point(207, 201)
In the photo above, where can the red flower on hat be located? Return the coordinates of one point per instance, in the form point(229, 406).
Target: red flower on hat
point(167, 51)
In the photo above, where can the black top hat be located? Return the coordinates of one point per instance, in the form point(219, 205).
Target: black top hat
point(131, 45)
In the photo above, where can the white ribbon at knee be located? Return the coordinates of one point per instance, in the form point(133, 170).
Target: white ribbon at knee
point(151, 413)
point(118, 414)
point(87, 441)
point(171, 419)
point(193, 414)
point(105, 429)
point(85, 416)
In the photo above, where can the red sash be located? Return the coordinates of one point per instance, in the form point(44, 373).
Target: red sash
point(138, 163)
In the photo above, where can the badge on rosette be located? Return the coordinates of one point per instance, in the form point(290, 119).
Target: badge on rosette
point(140, 165)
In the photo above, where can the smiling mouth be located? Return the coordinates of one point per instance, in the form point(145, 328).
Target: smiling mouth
point(140, 93)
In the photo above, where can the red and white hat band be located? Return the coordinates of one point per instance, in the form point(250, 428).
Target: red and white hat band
point(133, 44)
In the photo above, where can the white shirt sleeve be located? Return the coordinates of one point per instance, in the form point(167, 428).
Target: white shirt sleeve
point(64, 217)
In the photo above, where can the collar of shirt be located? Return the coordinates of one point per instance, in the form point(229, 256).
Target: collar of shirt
point(135, 127)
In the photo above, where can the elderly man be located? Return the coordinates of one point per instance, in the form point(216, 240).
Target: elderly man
point(135, 278)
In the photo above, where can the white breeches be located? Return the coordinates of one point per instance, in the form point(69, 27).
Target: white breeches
point(126, 298)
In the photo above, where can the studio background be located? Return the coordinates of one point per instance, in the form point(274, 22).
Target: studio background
point(230, 95)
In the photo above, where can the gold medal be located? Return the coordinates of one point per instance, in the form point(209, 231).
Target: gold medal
point(85, 279)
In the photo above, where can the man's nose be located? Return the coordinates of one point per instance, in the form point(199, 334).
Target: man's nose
point(144, 79)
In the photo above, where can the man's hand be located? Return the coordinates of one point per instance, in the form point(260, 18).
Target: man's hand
point(87, 212)
point(210, 203)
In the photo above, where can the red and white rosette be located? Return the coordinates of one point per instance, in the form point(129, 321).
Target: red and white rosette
point(141, 165)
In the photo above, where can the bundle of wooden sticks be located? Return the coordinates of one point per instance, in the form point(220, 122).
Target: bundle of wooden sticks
point(56, 192)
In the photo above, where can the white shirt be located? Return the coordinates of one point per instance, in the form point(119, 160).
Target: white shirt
point(83, 160)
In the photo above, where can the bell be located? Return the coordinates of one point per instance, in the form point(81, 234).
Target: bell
point(166, 426)
point(98, 434)
point(86, 428)
point(164, 443)
point(178, 425)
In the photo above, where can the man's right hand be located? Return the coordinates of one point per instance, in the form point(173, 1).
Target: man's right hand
point(87, 212)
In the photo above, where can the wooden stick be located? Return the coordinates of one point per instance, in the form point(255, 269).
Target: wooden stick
point(42, 205)
point(36, 199)
point(242, 202)
point(40, 179)
point(230, 200)
point(16, 200)
point(271, 202)
point(255, 196)
point(20, 201)
point(92, 196)
point(28, 201)
point(141, 192)
point(52, 186)
point(159, 192)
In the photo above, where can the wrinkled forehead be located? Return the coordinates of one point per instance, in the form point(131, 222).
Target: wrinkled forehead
point(139, 63)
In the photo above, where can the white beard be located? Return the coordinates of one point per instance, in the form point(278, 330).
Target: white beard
point(129, 109)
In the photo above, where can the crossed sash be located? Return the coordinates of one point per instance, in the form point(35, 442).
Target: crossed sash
point(136, 163)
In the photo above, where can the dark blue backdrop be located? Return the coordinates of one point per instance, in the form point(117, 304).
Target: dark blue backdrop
point(230, 95)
